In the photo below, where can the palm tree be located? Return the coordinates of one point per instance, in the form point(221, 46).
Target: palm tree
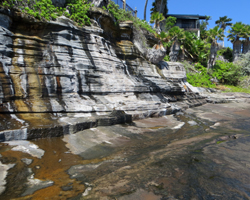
point(145, 10)
point(159, 6)
point(203, 28)
point(223, 22)
point(184, 44)
point(169, 23)
point(214, 35)
point(156, 18)
point(196, 48)
point(246, 42)
point(176, 35)
point(235, 33)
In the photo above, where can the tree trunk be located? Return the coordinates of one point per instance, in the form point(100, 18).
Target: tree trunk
point(246, 46)
point(236, 49)
point(174, 51)
point(213, 53)
point(223, 42)
point(160, 6)
point(182, 55)
point(145, 10)
point(161, 9)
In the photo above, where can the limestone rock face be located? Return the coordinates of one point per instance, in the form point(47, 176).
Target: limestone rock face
point(55, 78)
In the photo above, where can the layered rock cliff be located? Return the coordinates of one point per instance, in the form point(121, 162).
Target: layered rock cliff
point(57, 78)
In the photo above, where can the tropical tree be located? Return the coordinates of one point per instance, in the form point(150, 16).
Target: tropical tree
point(214, 35)
point(246, 43)
point(203, 28)
point(145, 10)
point(184, 44)
point(223, 22)
point(156, 18)
point(235, 33)
point(196, 48)
point(159, 6)
point(176, 36)
point(170, 22)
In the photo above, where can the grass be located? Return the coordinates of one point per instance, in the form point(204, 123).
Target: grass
point(218, 142)
point(230, 88)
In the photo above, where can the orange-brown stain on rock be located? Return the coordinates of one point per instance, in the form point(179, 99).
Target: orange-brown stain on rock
point(52, 166)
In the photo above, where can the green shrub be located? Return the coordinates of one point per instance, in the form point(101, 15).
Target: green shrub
point(197, 75)
point(79, 10)
point(244, 62)
point(121, 15)
point(227, 53)
point(200, 80)
point(200, 68)
point(44, 9)
point(227, 73)
point(166, 58)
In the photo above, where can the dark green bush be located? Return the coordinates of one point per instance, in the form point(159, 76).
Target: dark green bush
point(44, 9)
point(121, 15)
point(200, 80)
point(227, 53)
point(227, 73)
point(244, 62)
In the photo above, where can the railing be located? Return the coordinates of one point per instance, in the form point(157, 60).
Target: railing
point(128, 8)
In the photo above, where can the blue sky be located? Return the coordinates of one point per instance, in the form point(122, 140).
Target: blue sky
point(238, 10)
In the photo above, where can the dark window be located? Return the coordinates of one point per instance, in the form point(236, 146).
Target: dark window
point(188, 23)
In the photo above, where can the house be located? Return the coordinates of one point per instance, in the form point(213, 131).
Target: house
point(189, 22)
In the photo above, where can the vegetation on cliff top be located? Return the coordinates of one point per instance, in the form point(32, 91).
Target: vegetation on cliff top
point(122, 15)
point(77, 10)
point(45, 10)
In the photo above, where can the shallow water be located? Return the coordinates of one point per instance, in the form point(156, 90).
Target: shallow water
point(199, 154)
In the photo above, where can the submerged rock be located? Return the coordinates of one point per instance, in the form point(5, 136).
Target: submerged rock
point(27, 161)
point(34, 184)
point(3, 174)
point(26, 147)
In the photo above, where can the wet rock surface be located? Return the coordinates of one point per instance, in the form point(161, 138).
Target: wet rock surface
point(198, 154)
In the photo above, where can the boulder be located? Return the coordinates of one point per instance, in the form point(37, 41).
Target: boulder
point(5, 21)
point(156, 54)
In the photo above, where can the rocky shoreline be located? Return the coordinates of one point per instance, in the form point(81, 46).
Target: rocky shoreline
point(71, 123)
point(178, 156)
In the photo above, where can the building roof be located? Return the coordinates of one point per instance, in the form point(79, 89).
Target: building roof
point(187, 16)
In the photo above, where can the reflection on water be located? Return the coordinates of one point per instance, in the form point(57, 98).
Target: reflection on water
point(148, 159)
